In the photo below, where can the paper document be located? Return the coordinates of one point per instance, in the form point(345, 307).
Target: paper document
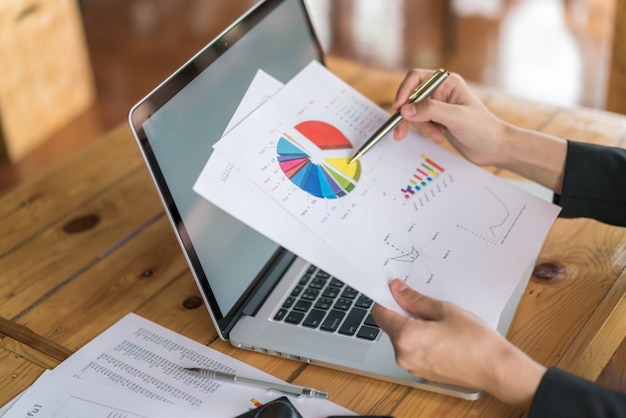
point(408, 209)
point(234, 192)
point(56, 394)
point(145, 359)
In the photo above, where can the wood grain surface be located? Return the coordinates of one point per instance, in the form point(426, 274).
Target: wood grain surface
point(89, 242)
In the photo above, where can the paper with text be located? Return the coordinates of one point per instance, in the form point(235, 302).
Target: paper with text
point(56, 394)
point(409, 209)
point(149, 360)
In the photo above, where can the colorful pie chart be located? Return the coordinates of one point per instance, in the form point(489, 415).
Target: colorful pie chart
point(329, 178)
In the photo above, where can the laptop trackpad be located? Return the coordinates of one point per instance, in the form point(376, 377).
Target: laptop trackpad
point(316, 343)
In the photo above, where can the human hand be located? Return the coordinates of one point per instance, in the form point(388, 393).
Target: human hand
point(444, 343)
point(454, 112)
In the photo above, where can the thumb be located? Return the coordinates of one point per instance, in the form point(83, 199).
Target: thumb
point(416, 303)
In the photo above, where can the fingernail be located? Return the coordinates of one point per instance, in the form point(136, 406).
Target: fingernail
point(409, 110)
point(399, 285)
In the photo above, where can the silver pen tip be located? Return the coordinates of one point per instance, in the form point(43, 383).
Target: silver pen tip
point(313, 393)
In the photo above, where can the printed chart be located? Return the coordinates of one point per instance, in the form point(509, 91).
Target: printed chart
point(489, 215)
point(296, 148)
point(326, 177)
point(421, 261)
point(420, 182)
point(424, 173)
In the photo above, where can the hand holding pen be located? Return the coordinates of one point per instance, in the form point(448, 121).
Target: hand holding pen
point(422, 92)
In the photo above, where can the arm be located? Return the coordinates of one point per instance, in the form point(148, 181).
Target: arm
point(442, 342)
point(563, 394)
point(585, 177)
point(593, 185)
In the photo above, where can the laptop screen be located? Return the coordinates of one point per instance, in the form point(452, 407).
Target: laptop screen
point(177, 124)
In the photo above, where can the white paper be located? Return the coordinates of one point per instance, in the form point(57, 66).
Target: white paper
point(6, 407)
point(147, 359)
point(56, 394)
point(262, 88)
point(407, 209)
point(234, 192)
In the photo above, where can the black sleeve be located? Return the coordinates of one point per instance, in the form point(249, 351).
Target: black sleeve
point(561, 394)
point(594, 183)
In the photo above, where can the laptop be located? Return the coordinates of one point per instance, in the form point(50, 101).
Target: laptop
point(260, 296)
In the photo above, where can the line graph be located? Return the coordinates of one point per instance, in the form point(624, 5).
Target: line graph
point(409, 257)
point(421, 261)
point(495, 227)
point(490, 216)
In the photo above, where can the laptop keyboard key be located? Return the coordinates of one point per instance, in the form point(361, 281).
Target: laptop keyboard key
point(332, 321)
point(349, 293)
point(304, 279)
point(289, 302)
point(322, 274)
point(294, 317)
point(324, 303)
point(310, 294)
point(280, 314)
point(317, 283)
point(368, 333)
point(314, 318)
point(363, 302)
point(302, 305)
point(343, 304)
point(335, 282)
point(370, 321)
point(330, 292)
point(352, 322)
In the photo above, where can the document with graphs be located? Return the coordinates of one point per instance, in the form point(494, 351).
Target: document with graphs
point(408, 209)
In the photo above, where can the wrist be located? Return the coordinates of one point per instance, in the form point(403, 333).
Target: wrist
point(532, 154)
point(508, 136)
point(515, 376)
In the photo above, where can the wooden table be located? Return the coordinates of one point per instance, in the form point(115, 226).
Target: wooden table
point(89, 242)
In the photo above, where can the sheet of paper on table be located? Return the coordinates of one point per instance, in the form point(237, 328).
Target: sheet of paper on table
point(138, 359)
point(409, 209)
point(57, 394)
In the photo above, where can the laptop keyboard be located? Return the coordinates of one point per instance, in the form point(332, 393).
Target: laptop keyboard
point(320, 301)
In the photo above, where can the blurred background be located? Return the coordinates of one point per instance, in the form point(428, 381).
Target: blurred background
point(554, 51)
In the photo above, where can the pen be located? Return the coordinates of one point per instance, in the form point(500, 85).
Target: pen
point(420, 93)
point(281, 387)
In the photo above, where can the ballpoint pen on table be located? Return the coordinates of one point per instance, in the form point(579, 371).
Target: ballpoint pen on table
point(281, 387)
point(420, 93)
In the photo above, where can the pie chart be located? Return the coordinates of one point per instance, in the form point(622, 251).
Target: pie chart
point(329, 177)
